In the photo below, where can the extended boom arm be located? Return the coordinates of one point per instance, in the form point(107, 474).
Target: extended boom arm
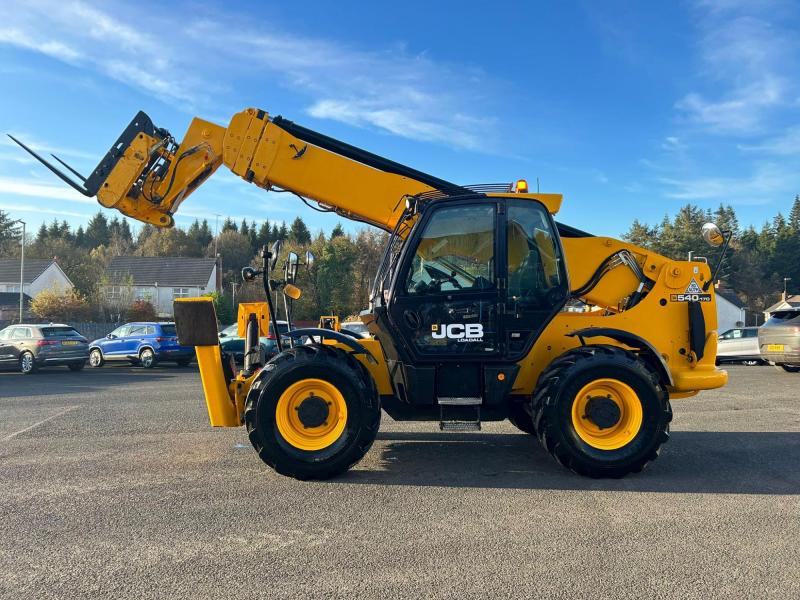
point(147, 173)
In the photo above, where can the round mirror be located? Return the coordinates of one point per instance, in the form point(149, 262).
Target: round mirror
point(293, 259)
point(310, 258)
point(712, 235)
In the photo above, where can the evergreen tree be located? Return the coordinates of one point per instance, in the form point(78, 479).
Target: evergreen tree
point(97, 231)
point(264, 236)
point(80, 237)
point(229, 225)
point(338, 231)
point(299, 233)
point(794, 215)
point(283, 233)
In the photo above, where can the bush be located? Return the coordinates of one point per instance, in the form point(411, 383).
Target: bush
point(141, 310)
point(60, 305)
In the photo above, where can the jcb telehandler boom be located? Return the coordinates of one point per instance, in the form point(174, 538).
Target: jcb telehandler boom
point(484, 308)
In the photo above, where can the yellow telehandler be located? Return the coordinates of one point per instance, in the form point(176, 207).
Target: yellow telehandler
point(484, 308)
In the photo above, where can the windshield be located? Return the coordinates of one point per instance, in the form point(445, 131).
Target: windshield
point(784, 316)
point(52, 332)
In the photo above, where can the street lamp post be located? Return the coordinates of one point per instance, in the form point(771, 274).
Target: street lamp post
point(21, 267)
point(785, 280)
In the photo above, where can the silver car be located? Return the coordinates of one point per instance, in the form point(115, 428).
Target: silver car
point(29, 347)
point(779, 340)
point(739, 345)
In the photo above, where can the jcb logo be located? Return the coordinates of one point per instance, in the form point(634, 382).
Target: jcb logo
point(463, 332)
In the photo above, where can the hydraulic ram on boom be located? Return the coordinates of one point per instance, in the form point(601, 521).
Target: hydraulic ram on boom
point(483, 308)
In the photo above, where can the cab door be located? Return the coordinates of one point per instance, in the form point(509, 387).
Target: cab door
point(445, 299)
point(537, 287)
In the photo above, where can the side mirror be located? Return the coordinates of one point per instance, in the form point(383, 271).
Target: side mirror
point(275, 250)
point(110, 336)
point(291, 266)
point(249, 274)
point(310, 258)
point(712, 235)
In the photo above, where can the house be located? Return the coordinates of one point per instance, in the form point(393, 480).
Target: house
point(9, 306)
point(39, 275)
point(159, 280)
point(731, 312)
point(786, 302)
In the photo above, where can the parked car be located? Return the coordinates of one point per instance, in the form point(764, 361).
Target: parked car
point(235, 347)
point(29, 347)
point(145, 344)
point(779, 340)
point(270, 343)
point(739, 345)
point(356, 327)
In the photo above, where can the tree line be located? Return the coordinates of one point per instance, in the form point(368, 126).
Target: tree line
point(757, 260)
point(337, 283)
point(339, 280)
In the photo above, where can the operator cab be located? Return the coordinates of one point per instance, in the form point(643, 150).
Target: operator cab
point(464, 296)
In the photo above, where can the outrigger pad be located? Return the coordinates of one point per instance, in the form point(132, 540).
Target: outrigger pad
point(196, 322)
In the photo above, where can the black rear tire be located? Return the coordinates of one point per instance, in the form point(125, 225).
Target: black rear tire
point(520, 418)
point(791, 368)
point(558, 388)
point(338, 369)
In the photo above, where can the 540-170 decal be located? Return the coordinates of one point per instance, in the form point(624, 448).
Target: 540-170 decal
point(693, 293)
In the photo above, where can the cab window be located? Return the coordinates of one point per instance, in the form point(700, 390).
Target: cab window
point(455, 252)
point(121, 331)
point(534, 261)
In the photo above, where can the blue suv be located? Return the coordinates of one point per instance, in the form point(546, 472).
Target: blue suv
point(145, 344)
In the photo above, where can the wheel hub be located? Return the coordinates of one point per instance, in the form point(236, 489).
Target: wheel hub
point(313, 411)
point(603, 412)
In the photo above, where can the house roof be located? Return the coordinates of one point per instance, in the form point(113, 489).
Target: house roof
point(11, 300)
point(165, 271)
point(731, 297)
point(792, 301)
point(9, 269)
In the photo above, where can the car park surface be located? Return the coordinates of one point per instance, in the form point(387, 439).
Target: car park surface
point(113, 485)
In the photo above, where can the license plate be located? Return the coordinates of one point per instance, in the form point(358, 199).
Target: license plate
point(69, 343)
point(774, 347)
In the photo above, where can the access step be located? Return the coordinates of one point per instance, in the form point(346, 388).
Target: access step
point(460, 413)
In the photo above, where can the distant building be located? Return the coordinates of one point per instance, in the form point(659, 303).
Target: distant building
point(159, 280)
point(731, 312)
point(9, 306)
point(39, 275)
point(785, 303)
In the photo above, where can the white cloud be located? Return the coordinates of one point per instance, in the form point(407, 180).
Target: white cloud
point(760, 187)
point(388, 89)
point(784, 144)
point(36, 189)
point(746, 58)
point(42, 211)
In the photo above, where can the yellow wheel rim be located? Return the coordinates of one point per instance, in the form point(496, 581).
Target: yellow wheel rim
point(597, 422)
point(311, 414)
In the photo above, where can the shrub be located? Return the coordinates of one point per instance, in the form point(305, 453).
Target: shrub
point(61, 305)
point(141, 310)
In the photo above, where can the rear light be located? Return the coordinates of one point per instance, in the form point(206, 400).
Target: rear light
point(46, 343)
point(271, 336)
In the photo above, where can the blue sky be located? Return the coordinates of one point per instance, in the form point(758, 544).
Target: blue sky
point(630, 109)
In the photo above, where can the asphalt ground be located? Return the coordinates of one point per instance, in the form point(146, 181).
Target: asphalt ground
point(112, 485)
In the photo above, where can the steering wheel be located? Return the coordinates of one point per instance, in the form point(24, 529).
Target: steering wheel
point(440, 276)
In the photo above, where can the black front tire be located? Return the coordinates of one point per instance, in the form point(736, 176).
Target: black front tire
point(147, 358)
point(557, 390)
point(335, 367)
point(791, 368)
